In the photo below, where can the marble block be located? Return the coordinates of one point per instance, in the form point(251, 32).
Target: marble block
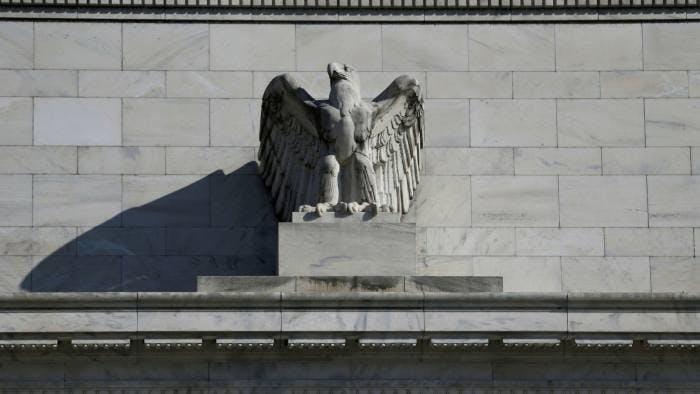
point(347, 246)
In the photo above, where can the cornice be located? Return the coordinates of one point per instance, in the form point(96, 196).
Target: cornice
point(352, 11)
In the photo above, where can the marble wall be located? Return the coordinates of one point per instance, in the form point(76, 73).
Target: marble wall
point(563, 157)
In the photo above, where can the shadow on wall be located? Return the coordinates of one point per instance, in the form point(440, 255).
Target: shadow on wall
point(219, 225)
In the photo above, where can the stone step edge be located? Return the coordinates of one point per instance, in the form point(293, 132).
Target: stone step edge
point(334, 284)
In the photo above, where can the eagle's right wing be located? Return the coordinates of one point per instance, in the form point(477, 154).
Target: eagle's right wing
point(289, 145)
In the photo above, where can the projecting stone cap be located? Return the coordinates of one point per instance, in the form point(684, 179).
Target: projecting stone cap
point(344, 217)
point(336, 284)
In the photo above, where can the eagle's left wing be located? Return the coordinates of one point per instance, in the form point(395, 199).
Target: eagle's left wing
point(395, 142)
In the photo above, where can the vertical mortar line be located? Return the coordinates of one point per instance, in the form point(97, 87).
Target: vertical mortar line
point(558, 205)
point(121, 29)
point(646, 184)
point(561, 286)
point(468, 62)
point(601, 160)
point(644, 120)
point(641, 28)
point(600, 84)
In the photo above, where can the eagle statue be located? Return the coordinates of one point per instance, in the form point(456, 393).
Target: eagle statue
point(343, 154)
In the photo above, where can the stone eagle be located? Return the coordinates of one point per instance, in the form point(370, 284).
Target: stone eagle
point(344, 153)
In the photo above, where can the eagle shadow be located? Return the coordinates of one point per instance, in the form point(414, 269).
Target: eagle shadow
point(222, 224)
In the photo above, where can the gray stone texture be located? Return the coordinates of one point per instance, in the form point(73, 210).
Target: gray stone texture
point(592, 47)
point(166, 46)
point(367, 249)
point(556, 155)
point(16, 120)
point(17, 45)
point(78, 45)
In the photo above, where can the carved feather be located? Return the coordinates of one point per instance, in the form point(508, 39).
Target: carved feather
point(395, 142)
point(289, 145)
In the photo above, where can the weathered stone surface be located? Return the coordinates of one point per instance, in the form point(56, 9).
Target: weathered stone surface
point(470, 85)
point(246, 283)
point(444, 266)
point(644, 84)
point(367, 249)
point(556, 85)
point(327, 284)
point(79, 321)
point(59, 273)
point(17, 44)
point(503, 201)
point(166, 46)
point(359, 45)
point(448, 123)
point(559, 241)
point(522, 274)
point(424, 47)
point(120, 241)
point(673, 201)
point(557, 161)
point(177, 273)
point(600, 123)
point(643, 161)
point(16, 120)
point(121, 160)
point(209, 84)
point(583, 47)
point(77, 121)
point(205, 160)
point(514, 47)
point(240, 200)
point(26, 241)
point(222, 241)
point(468, 161)
point(173, 200)
point(672, 46)
point(648, 242)
point(454, 284)
point(353, 320)
point(470, 241)
point(610, 201)
point(13, 270)
point(15, 200)
point(203, 321)
point(252, 47)
point(675, 274)
point(496, 123)
point(235, 122)
point(76, 200)
point(502, 321)
point(38, 160)
point(667, 322)
point(166, 122)
point(694, 80)
point(46, 83)
point(78, 46)
point(605, 274)
point(121, 83)
point(443, 201)
point(672, 122)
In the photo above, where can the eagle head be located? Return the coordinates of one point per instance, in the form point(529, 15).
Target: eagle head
point(338, 72)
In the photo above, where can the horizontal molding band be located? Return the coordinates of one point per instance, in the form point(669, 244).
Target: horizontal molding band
point(341, 300)
point(293, 14)
point(366, 4)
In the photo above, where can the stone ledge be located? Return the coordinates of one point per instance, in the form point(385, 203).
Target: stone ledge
point(325, 284)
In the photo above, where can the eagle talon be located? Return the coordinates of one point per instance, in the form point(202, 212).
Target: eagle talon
point(322, 208)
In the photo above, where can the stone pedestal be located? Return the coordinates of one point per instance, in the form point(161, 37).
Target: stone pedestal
point(347, 245)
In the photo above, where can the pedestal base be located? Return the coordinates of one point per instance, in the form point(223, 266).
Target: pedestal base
point(347, 245)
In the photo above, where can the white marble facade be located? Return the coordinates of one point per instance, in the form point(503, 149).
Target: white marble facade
point(557, 155)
